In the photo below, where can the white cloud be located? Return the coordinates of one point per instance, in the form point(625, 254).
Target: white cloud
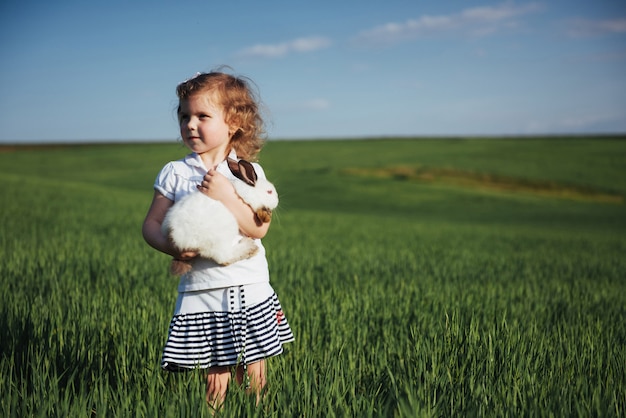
point(597, 122)
point(588, 121)
point(308, 44)
point(477, 21)
point(585, 28)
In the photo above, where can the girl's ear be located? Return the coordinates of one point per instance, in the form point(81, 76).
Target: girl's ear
point(234, 126)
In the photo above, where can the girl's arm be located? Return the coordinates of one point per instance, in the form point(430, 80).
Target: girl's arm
point(152, 228)
point(217, 186)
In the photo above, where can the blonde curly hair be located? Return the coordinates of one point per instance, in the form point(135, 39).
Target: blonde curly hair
point(240, 104)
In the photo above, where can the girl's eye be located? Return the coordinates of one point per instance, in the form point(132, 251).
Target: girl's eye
point(204, 116)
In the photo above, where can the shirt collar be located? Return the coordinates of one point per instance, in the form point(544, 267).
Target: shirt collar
point(194, 160)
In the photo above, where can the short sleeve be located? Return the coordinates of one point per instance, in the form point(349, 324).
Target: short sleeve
point(165, 182)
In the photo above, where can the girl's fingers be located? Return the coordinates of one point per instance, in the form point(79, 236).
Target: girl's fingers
point(209, 180)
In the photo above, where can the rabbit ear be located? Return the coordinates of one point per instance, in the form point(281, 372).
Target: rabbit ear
point(243, 170)
point(233, 165)
point(248, 172)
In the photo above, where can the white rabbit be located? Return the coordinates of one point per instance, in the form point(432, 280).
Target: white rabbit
point(199, 223)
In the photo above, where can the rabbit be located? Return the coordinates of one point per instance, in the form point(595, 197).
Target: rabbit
point(199, 223)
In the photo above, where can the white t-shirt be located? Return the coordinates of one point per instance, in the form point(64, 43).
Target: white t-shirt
point(180, 178)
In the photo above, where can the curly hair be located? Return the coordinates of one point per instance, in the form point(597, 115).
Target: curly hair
point(240, 104)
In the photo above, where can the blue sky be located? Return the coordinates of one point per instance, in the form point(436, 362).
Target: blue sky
point(107, 70)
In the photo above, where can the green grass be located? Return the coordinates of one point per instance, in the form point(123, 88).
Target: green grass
point(407, 296)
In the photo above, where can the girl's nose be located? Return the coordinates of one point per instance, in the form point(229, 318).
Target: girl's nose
point(191, 124)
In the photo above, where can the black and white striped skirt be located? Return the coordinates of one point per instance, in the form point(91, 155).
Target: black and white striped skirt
point(225, 327)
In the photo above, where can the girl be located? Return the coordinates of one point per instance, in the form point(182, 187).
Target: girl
point(225, 316)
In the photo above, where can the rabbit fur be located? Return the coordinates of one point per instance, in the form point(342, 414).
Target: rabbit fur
point(199, 223)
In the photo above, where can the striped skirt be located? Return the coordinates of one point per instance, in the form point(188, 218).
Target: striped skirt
point(225, 327)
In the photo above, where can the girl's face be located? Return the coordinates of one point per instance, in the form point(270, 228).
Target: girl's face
point(202, 125)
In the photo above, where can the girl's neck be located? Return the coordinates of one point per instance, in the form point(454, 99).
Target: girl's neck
point(212, 158)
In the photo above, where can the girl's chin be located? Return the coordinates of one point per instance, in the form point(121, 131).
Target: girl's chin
point(194, 144)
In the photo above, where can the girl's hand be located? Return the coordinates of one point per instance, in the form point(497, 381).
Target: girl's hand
point(216, 186)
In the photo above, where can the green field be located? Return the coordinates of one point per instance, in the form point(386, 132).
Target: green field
point(456, 277)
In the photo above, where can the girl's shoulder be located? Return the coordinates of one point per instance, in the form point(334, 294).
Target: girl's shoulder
point(178, 178)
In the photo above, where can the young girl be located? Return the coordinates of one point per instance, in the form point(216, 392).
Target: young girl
point(225, 317)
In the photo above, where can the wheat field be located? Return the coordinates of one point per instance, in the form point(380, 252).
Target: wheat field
point(421, 277)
